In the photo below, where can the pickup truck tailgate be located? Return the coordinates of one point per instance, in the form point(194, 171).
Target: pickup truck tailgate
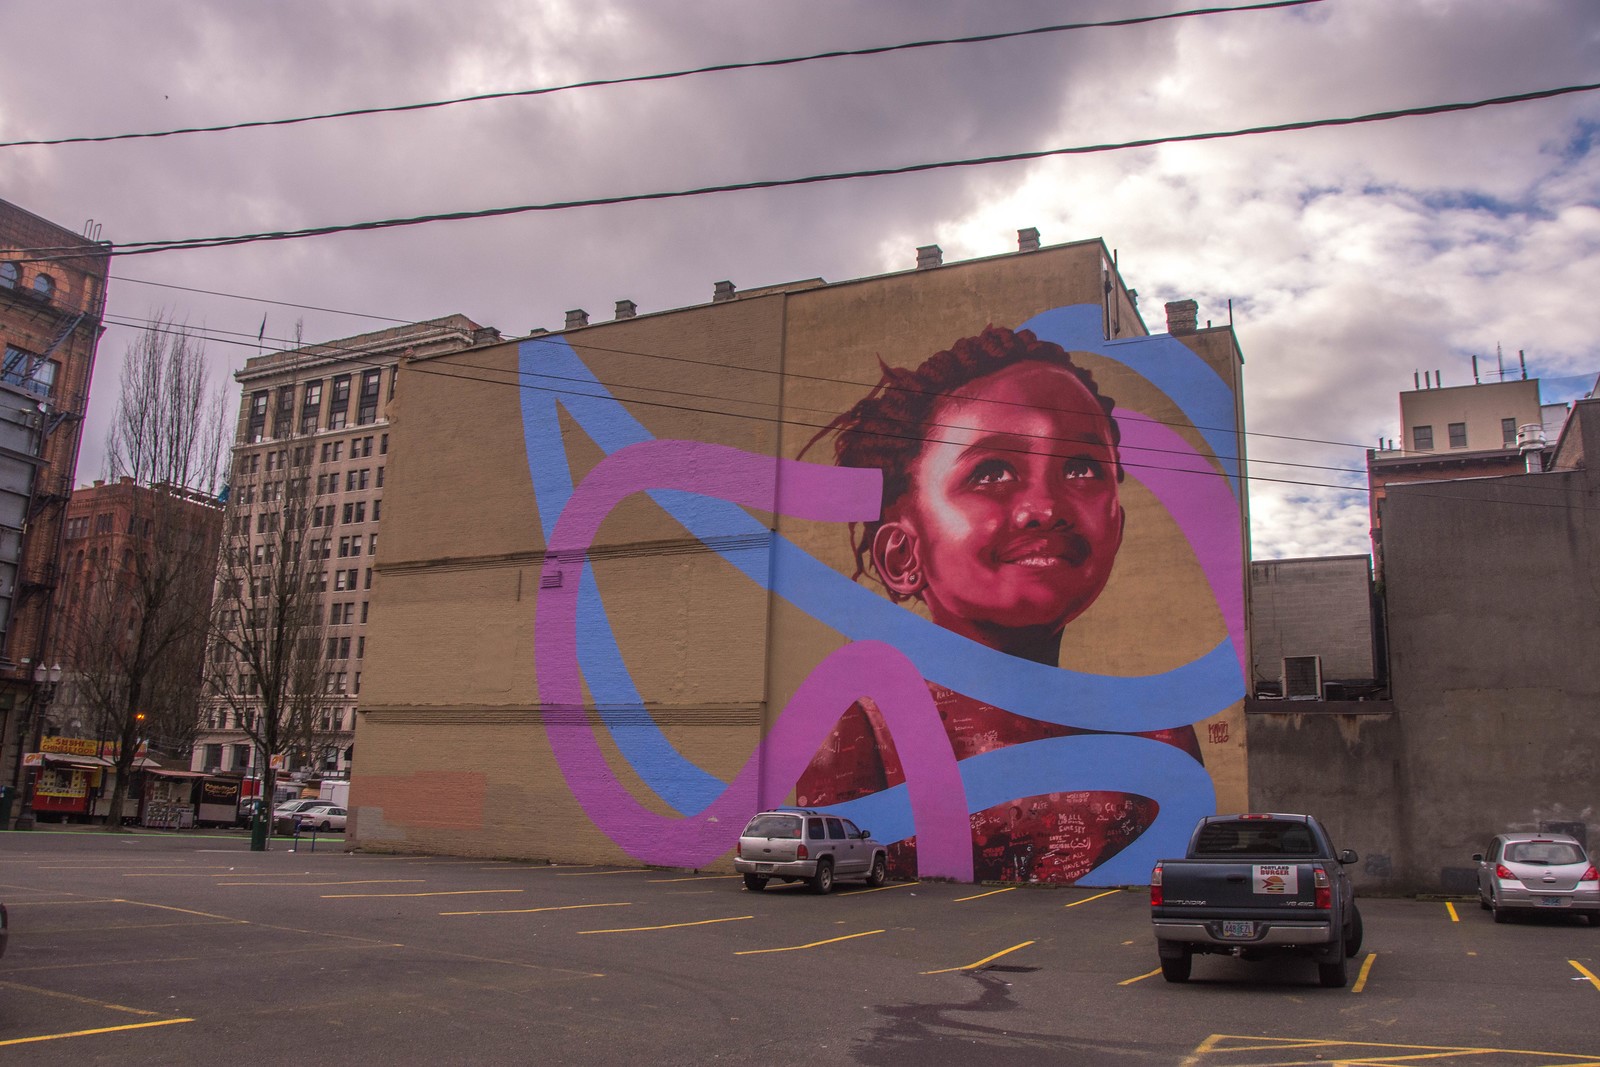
point(1260, 902)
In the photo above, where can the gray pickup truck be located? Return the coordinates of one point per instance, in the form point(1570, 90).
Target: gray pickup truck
point(1253, 886)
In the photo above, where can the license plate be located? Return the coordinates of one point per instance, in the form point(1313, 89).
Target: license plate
point(1237, 928)
point(763, 868)
point(1552, 902)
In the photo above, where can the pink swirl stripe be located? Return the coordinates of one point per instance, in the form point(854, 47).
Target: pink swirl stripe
point(862, 669)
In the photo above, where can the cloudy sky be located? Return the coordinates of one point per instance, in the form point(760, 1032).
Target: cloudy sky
point(1353, 257)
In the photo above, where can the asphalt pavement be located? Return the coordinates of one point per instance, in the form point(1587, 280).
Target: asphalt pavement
point(189, 948)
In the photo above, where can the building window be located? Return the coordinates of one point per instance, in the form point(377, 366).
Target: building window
point(258, 416)
point(369, 396)
point(44, 285)
point(1458, 435)
point(283, 413)
point(339, 402)
point(1508, 432)
point(311, 408)
point(29, 371)
point(1422, 438)
point(10, 274)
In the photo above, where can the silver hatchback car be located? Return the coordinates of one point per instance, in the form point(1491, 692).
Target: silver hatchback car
point(1538, 872)
point(797, 844)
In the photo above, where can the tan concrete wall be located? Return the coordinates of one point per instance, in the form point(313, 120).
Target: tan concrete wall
point(1480, 406)
point(452, 702)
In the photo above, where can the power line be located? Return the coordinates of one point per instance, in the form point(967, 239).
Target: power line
point(336, 349)
point(450, 371)
point(139, 248)
point(717, 68)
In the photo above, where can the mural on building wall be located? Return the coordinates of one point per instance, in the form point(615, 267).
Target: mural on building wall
point(981, 491)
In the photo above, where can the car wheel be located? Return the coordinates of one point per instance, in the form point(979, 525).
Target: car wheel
point(822, 881)
point(325, 827)
point(1500, 914)
point(755, 883)
point(880, 871)
point(1176, 968)
point(1352, 933)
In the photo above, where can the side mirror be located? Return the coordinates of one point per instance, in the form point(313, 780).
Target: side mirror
point(865, 834)
point(1348, 856)
point(1477, 857)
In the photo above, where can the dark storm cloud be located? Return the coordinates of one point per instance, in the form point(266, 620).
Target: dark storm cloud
point(1351, 256)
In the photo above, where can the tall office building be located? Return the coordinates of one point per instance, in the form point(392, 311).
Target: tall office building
point(312, 446)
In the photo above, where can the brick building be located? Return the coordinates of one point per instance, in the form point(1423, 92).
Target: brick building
point(636, 582)
point(107, 527)
point(52, 295)
point(314, 437)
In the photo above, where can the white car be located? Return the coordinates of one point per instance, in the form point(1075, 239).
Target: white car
point(1538, 872)
point(321, 817)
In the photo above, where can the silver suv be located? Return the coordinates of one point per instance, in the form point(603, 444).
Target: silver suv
point(797, 844)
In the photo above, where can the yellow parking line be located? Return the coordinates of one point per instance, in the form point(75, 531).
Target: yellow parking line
point(695, 878)
point(58, 903)
point(364, 881)
point(814, 944)
point(86, 1033)
point(1587, 973)
point(1366, 969)
point(530, 911)
point(980, 963)
point(75, 999)
point(1451, 908)
point(1097, 896)
point(438, 893)
point(881, 888)
point(1140, 978)
point(669, 926)
point(990, 893)
point(602, 874)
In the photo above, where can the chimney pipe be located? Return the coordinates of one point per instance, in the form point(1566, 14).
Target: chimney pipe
point(929, 256)
point(1028, 240)
point(626, 309)
point(577, 317)
point(722, 291)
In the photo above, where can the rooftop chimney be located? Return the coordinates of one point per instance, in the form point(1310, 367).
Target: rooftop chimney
point(1181, 316)
point(1028, 240)
point(626, 309)
point(1531, 443)
point(722, 291)
point(577, 317)
point(929, 256)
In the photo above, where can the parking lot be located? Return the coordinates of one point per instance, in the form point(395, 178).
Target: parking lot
point(188, 948)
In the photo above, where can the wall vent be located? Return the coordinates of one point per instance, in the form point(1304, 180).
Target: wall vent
point(1302, 677)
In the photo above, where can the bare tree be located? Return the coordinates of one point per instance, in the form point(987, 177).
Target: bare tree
point(268, 663)
point(140, 644)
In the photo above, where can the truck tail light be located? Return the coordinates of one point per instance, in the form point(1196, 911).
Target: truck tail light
point(1502, 871)
point(1155, 887)
point(1324, 889)
point(738, 850)
point(801, 852)
point(1591, 875)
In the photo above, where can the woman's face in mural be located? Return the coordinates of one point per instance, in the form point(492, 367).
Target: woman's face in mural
point(1012, 521)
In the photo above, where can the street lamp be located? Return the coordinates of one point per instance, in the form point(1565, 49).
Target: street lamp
point(45, 681)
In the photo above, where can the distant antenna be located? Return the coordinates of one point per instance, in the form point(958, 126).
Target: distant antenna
point(1416, 380)
point(1500, 357)
point(1475, 380)
point(1523, 359)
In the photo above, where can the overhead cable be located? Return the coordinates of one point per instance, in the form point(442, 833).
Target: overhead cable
point(716, 68)
point(139, 248)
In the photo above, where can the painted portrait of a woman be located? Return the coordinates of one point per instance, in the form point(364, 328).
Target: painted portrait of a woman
point(1001, 521)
